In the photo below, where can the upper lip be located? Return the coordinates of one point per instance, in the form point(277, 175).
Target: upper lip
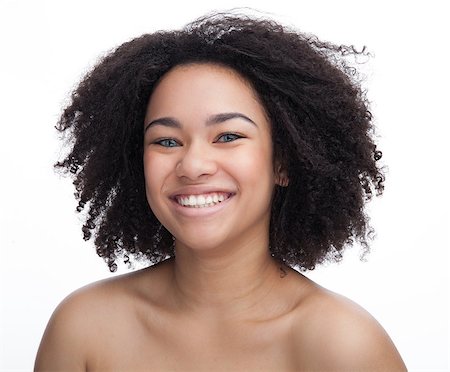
point(199, 190)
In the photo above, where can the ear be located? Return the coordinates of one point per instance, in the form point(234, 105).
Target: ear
point(281, 176)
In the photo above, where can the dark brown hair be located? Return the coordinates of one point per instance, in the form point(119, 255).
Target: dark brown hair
point(321, 130)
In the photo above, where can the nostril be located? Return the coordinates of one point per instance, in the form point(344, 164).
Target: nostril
point(194, 167)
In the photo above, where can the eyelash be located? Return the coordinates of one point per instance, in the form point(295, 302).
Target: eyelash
point(161, 141)
point(237, 136)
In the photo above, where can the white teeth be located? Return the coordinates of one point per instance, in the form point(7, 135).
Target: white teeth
point(201, 201)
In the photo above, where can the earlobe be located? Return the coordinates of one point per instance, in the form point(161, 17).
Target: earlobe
point(281, 177)
point(282, 181)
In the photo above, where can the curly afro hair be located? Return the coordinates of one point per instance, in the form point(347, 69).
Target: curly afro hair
point(322, 136)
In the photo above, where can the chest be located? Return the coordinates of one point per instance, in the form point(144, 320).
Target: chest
point(199, 347)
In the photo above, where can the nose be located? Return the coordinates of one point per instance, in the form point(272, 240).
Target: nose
point(197, 162)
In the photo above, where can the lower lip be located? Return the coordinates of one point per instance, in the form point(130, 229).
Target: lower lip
point(201, 212)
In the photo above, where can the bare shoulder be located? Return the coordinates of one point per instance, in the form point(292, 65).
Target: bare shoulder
point(334, 333)
point(87, 317)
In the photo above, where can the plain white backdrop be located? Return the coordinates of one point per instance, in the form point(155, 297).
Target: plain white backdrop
point(46, 46)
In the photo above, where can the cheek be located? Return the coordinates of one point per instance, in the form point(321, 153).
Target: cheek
point(155, 171)
point(255, 166)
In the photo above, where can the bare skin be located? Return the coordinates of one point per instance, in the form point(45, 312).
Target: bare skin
point(223, 303)
point(140, 322)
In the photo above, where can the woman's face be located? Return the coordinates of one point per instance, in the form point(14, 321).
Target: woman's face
point(208, 158)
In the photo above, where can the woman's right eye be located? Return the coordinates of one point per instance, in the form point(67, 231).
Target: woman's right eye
point(167, 142)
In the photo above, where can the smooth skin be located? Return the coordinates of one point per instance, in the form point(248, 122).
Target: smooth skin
point(223, 303)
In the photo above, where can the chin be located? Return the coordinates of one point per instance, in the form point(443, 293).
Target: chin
point(201, 242)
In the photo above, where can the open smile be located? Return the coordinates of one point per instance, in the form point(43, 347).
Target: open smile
point(202, 200)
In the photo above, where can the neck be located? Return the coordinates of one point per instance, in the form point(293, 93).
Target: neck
point(224, 281)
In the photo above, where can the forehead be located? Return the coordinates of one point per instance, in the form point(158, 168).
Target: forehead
point(203, 88)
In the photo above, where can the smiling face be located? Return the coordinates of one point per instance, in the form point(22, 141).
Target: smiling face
point(208, 158)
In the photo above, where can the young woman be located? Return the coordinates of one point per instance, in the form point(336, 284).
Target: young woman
point(225, 154)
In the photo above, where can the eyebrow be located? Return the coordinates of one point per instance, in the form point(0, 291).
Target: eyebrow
point(214, 119)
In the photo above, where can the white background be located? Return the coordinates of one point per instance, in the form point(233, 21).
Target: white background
point(46, 46)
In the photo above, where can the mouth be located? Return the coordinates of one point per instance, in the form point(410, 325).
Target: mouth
point(202, 200)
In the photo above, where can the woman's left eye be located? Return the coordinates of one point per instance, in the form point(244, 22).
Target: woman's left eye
point(228, 137)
